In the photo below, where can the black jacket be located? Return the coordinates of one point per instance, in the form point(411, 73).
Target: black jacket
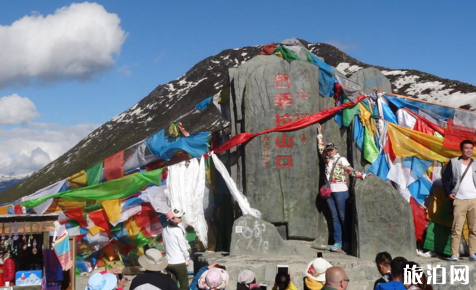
point(151, 280)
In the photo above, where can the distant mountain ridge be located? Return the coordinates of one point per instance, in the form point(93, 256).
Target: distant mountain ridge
point(8, 181)
point(169, 101)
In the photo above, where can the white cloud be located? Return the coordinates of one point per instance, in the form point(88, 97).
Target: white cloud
point(16, 110)
point(28, 148)
point(341, 46)
point(75, 42)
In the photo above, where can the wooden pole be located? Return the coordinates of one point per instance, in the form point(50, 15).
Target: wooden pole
point(72, 271)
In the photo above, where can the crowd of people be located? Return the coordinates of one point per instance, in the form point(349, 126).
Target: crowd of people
point(319, 275)
point(393, 274)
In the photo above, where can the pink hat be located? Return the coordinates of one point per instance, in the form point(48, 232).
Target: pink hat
point(174, 213)
point(214, 278)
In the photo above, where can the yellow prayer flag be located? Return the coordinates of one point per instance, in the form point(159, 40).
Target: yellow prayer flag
point(95, 230)
point(79, 179)
point(132, 227)
point(407, 143)
point(366, 119)
point(112, 209)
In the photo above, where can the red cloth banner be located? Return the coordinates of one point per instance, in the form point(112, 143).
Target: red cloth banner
point(455, 134)
point(419, 219)
point(291, 126)
point(114, 166)
point(423, 127)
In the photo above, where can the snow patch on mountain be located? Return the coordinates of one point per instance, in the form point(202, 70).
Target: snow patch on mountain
point(7, 181)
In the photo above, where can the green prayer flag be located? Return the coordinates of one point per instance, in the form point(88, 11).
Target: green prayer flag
point(287, 53)
point(141, 240)
point(114, 189)
point(370, 149)
point(348, 113)
point(94, 174)
point(438, 238)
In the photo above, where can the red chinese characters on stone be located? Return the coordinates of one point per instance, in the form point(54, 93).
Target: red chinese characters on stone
point(302, 95)
point(283, 100)
point(284, 161)
point(282, 119)
point(282, 81)
point(267, 150)
point(303, 138)
point(301, 115)
point(284, 142)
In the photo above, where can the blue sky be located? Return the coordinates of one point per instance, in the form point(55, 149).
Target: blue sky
point(158, 41)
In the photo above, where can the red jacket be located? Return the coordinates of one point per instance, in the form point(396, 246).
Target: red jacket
point(9, 270)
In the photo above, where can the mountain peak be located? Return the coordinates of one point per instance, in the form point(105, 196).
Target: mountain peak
point(167, 102)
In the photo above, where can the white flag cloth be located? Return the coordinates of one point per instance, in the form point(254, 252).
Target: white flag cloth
point(402, 176)
point(49, 190)
point(237, 195)
point(157, 198)
point(405, 119)
point(185, 191)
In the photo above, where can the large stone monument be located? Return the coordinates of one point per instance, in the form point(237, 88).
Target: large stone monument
point(278, 171)
point(281, 172)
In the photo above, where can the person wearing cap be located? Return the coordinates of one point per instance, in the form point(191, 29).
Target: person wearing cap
point(337, 202)
point(246, 280)
point(176, 248)
point(210, 277)
point(316, 274)
point(105, 281)
point(153, 262)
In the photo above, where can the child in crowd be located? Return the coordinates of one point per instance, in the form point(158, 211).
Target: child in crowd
point(383, 260)
point(396, 274)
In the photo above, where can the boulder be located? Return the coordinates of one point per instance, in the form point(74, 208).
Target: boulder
point(382, 221)
point(371, 79)
point(255, 237)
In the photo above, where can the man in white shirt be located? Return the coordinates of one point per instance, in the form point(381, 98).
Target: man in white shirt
point(176, 248)
point(459, 182)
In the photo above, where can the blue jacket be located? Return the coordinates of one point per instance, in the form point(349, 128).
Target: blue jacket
point(194, 284)
point(392, 285)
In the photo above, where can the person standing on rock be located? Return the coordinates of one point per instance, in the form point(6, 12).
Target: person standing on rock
point(338, 200)
point(459, 183)
point(176, 248)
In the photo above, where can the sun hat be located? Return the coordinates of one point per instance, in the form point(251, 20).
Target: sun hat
point(152, 260)
point(100, 281)
point(174, 213)
point(330, 146)
point(246, 276)
point(320, 266)
point(214, 278)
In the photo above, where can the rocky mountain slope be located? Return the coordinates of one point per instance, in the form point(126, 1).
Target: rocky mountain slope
point(169, 101)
